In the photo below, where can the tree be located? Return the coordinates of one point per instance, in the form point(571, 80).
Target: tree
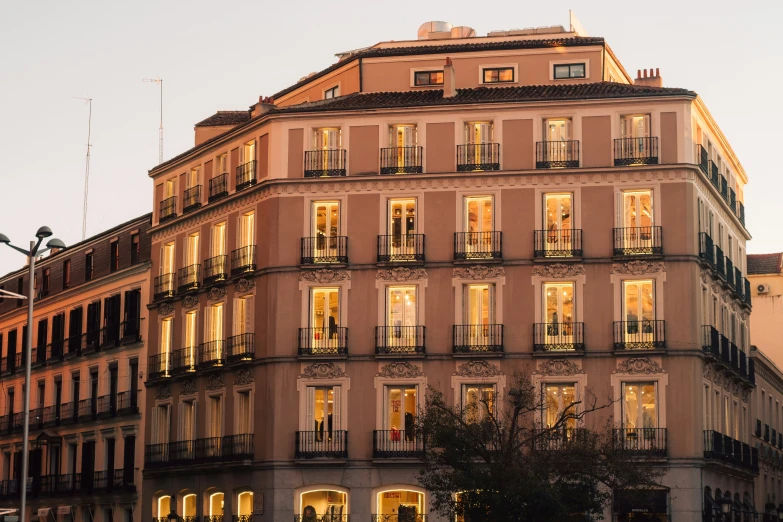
point(495, 460)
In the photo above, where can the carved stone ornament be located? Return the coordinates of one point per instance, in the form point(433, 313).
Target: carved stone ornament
point(190, 301)
point(163, 392)
point(478, 369)
point(558, 270)
point(717, 378)
point(188, 387)
point(400, 370)
point(215, 382)
point(638, 267)
point(716, 287)
point(479, 272)
point(216, 293)
point(166, 308)
point(323, 371)
point(705, 276)
point(245, 285)
point(639, 365)
point(745, 394)
point(324, 275)
point(244, 376)
point(401, 273)
point(558, 367)
point(708, 372)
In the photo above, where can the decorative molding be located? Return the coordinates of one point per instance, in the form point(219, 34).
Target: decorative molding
point(243, 376)
point(400, 370)
point(705, 276)
point(478, 369)
point(166, 308)
point(322, 371)
point(188, 387)
point(324, 276)
point(638, 267)
point(190, 301)
point(215, 382)
point(477, 272)
point(401, 273)
point(708, 371)
point(558, 367)
point(163, 392)
point(245, 285)
point(558, 270)
point(216, 293)
point(639, 365)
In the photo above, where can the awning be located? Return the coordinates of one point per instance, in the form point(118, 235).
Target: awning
point(640, 501)
point(63, 510)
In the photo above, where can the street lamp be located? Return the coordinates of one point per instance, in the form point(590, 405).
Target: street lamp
point(41, 234)
point(780, 511)
point(725, 507)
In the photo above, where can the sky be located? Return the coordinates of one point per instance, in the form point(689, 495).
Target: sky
point(224, 55)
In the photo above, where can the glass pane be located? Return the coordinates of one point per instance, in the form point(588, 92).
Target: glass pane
point(394, 408)
point(506, 75)
point(647, 308)
point(402, 306)
point(631, 301)
point(578, 70)
point(473, 215)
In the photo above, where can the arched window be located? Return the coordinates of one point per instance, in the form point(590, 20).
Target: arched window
point(325, 502)
point(164, 507)
point(245, 506)
point(216, 507)
point(406, 504)
point(189, 508)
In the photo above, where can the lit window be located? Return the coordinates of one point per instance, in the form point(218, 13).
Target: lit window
point(424, 78)
point(334, 92)
point(478, 401)
point(571, 70)
point(498, 75)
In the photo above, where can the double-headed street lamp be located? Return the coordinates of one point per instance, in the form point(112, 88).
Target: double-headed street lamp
point(42, 234)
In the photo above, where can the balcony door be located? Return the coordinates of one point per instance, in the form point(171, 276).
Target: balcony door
point(478, 401)
point(218, 244)
point(557, 135)
point(400, 407)
point(167, 259)
point(560, 401)
point(403, 138)
point(479, 313)
point(325, 318)
point(638, 311)
point(559, 314)
point(401, 315)
point(325, 229)
point(478, 136)
point(169, 189)
point(191, 340)
point(213, 334)
point(323, 413)
point(246, 229)
point(402, 227)
point(479, 225)
point(638, 221)
point(192, 255)
point(640, 405)
point(636, 126)
point(558, 223)
point(165, 344)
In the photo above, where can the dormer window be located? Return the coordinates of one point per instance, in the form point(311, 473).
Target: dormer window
point(498, 75)
point(569, 70)
point(425, 78)
point(333, 92)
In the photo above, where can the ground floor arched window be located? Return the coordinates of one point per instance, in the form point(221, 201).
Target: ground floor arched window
point(323, 502)
point(399, 505)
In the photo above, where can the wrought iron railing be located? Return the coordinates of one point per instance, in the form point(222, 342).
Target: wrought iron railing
point(557, 154)
point(215, 269)
point(639, 335)
point(331, 517)
point(565, 242)
point(399, 339)
point(402, 247)
point(714, 175)
point(741, 212)
point(706, 248)
point(551, 439)
point(710, 340)
point(331, 340)
point(243, 260)
point(51, 415)
point(399, 517)
point(110, 335)
point(555, 337)
point(246, 175)
point(159, 366)
point(478, 156)
point(191, 199)
point(209, 449)
point(477, 338)
point(241, 347)
point(68, 413)
point(131, 333)
point(729, 272)
point(184, 360)
point(635, 151)
point(88, 408)
point(92, 341)
point(723, 447)
point(76, 343)
point(746, 293)
point(703, 159)
point(478, 245)
point(189, 278)
point(630, 241)
point(401, 160)
point(107, 405)
point(164, 287)
point(168, 209)
point(211, 354)
point(720, 262)
point(642, 441)
point(396, 444)
point(218, 187)
point(724, 188)
point(324, 249)
point(326, 162)
point(238, 446)
point(127, 403)
point(321, 444)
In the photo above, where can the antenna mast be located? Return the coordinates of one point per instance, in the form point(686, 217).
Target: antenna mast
point(86, 168)
point(158, 81)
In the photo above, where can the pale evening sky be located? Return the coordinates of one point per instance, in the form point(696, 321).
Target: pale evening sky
point(223, 55)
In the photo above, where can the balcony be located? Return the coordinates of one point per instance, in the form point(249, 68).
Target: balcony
point(241, 347)
point(69, 413)
point(396, 444)
point(324, 249)
point(557, 154)
point(51, 415)
point(127, 403)
point(710, 340)
point(107, 406)
point(159, 366)
point(635, 151)
point(246, 175)
point(168, 209)
point(724, 189)
point(706, 248)
point(164, 287)
point(317, 341)
point(110, 336)
point(131, 332)
point(189, 278)
point(88, 409)
point(722, 447)
point(243, 260)
point(639, 335)
point(8, 364)
point(477, 245)
point(199, 451)
point(114, 480)
point(478, 156)
point(703, 159)
point(76, 345)
point(401, 160)
point(215, 269)
point(321, 445)
point(184, 361)
point(403, 247)
point(399, 340)
point(738, 283)
point(212, 354)
point(558, 337)
point(741, 212)
point(218, 187)
point(714, 175)
point(720, 262)
point(557, 243)
point(191, 199)
point(631, 241)
point(324, 163)
point(559, 439)
point(477, 338)
point(746, 293)
point(640, 441)
point(729, 272)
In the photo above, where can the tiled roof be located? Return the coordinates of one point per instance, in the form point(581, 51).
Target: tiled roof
point(221, 118)
point(765, 263)
point(576, 41)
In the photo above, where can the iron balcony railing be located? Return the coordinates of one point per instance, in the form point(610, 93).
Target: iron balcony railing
point(401, 247)
point(411, 516)
point(107, 405)
point(714, 175)
point(729, 272)
point(703, 158)
point(189, 278)
point(557, 154)
point(556, 337)
point(241, 347)
point(36, 418)
point(168, 209)
point(243, 260)
point(706, 248)
point(766, 433)
point(8, 364)
point(478, 245)
point(159, 366)
point(131, 333)
point(191, 199)
point(218, 187)
point(51, 415)
point(396, 444)
point(331, 340)
point(739, 285)
point(720, 262)
point(724, 189)
point(566, 242)
point(211, 354)
point(478, 156)
point(741, 212)
point(238, 518)
point(635, 151)
point(559, 439)
point(732, 200)
point(198, 451)
point(246, 175)
point(746, 293)
point(710, 340)
point(477, 338)
point(127, 403)
point(110, 336)
point(324, 249)
point(725, 350)
point(69, 413)
point(54, 350)
point(326, 162)
point(322, 444)
point(723, 447)
point(76, 344)
point(215, 269)
point(639, 335)
point(330, 517)
point(88, 409)
point(631, 241)
point(184, 360)
point(164, 287)
point(640, 441)
point(401, 160)
point(399, 340)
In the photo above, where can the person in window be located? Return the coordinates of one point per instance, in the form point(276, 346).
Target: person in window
point(409, 428)
point(332, 327)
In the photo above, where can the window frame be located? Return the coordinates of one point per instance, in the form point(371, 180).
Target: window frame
point(114, 255)
point(553, 63)
point(498, 69)
point(89, 266)
point(570, 66)
point(331, 92)
point(416, 72)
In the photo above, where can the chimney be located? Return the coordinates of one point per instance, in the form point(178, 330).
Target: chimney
point(449, 90)
point(264, 105)
point(651, 78)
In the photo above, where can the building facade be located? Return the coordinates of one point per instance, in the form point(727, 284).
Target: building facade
point(465, 207)
point(765, 272)
point(88, 359)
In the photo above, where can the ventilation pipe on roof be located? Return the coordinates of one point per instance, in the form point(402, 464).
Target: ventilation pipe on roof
point(449, 89)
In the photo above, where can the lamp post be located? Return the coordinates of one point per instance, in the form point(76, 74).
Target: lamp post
point(725, 508)
point(42, 234)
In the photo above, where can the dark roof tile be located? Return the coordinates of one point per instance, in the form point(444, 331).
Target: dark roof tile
point(765, 263)
point(221, 118)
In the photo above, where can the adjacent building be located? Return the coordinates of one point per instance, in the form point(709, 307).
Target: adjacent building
point(765, 273)
point(445, 212)
point(88, 360)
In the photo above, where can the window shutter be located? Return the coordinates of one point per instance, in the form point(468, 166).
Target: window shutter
point(248, 315)
point(238, 319)
point(491, 304)
point(337, 406)
point(310, 409)
point(129, 459)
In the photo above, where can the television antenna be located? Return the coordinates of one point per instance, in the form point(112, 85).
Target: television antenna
point(86, 167)
point(158, 81)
